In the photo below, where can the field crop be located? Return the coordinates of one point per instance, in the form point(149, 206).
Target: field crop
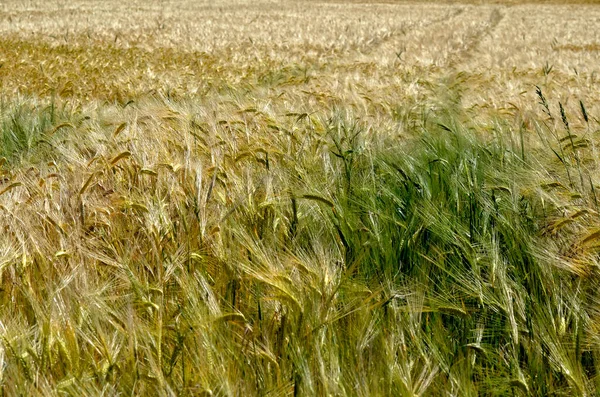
point(298, 198)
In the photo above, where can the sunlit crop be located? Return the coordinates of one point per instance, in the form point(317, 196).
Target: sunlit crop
point(299, 198)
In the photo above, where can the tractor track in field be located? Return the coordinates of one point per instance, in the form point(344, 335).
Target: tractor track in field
point(376, 43)
point(474, 38)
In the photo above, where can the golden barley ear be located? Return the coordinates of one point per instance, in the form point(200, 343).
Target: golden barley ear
point(10, 187)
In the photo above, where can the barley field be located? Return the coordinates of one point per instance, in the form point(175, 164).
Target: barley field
point(299, 198)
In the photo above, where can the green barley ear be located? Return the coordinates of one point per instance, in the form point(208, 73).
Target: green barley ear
point(583, 111)
point(547, 69)
point(543, 102)
point(563, 116)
